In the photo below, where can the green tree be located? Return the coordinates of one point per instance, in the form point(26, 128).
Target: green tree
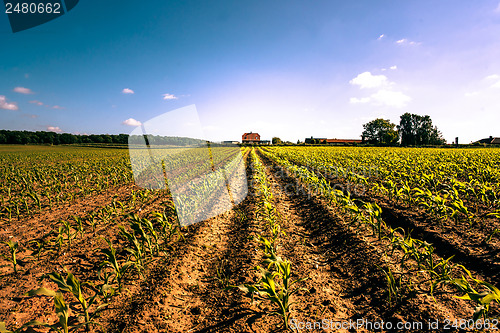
point(418, 130)
point(276, 141)
point(380, 131)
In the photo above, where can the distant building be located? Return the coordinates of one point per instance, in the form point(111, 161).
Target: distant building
point(490, 140)
point(250, 138)
point(312, 140)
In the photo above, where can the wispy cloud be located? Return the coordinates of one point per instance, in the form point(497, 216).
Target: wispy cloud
point(23, 90)
point(368, 80)
point(496, 85)
point(128, 91)
point(26, 115)
point(405, 41)
point(384, 97)
point(169, 96)
point(7, 106)
point(492, 77)
point(393, 67)
point(132, 122)
point(497, 10)
point(55, 129)
point(355, 100)
point(381, 37)
point(46, 105)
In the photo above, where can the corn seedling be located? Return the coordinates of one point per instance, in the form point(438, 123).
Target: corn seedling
point(134, 249)
point(67, 231)
point(482, 299)
point(72, 285)
point(13, 250)
point(111, 261)
point(60, 307)
point(493, 233)
point(3, 327)
point(276, 286)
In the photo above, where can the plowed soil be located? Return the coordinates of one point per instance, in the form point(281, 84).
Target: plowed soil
point(189, 288)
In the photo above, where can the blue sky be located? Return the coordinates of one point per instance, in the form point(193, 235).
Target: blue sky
point(283, 68)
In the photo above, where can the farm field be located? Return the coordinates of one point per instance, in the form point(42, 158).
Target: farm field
point(354, 239)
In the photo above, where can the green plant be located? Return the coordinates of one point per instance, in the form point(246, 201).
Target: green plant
point(482, 299)
point(60, 307)
point(67, 231)
point(134, 249)
point(3, 327)
point(275, 285)
point(13, 246)
point(72, 285)
point(111, 261)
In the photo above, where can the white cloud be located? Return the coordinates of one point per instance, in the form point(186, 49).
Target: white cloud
point(36, 102)
point(169, 96)
point(368, 80)
point(498, 8)
point(23, 90)
point(380, 37)
point(55, 129)
point(471, 94)
point(132, 122)
point(7, 106)
point(492, 77)
point(128, 91)
point(496, 85)
point(57, 107)
point(393, 67)
point(405, 41)
point(384, 97)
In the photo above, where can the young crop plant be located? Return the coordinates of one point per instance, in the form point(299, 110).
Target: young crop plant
point(79, 224)
point(374, 218)
point(135, 249)
point(482, 299)
point(13, 246)
point(119, 270)
point(3, 327)
point(73, 286)
point(66, 231)
point(276, 285)
point(397, 286)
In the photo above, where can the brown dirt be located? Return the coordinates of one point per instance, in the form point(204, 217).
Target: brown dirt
point(183, 291)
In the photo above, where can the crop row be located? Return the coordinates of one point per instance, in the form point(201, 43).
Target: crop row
point(33, 182)
point(275, 277)
point(415, 178)
point(418, 269)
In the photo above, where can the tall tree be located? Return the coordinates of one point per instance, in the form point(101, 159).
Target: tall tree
point(380, 131)
point(418, 130)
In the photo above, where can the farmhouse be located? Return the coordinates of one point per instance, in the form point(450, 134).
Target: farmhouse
point(312, 140)
point(490, 140)
point(252, 138)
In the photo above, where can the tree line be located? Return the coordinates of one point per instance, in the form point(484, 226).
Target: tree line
point(52, 138)
point(413, 130)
